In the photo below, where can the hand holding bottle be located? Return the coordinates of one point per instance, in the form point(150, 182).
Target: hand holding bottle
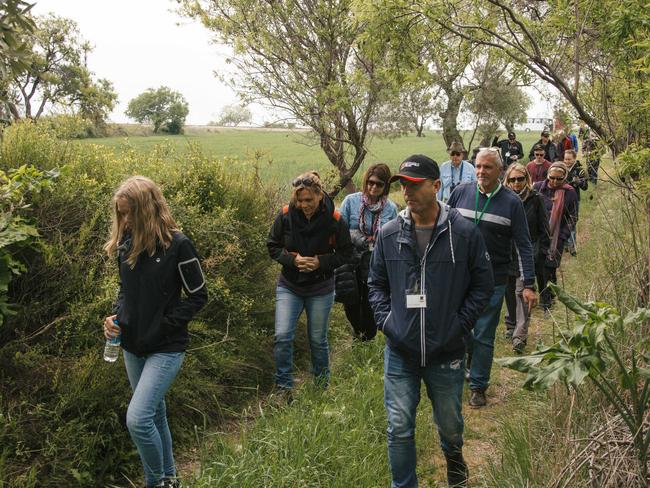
point(111, 329)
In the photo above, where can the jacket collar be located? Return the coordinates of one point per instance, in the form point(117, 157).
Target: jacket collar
point(406, 234)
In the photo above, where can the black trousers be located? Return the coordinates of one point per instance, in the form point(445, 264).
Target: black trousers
point(550, 275)
point(361, 316)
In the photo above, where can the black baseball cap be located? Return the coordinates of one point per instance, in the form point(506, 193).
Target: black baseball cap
point(545, 133)
point(511, 135)
point(417, 168)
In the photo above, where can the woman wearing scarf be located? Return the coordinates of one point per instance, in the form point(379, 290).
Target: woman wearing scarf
point(517, 314)
point(561, 203)
point(309, 239)
point(364, 212)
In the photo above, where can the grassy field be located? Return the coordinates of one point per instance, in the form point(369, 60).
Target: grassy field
point(280, 154)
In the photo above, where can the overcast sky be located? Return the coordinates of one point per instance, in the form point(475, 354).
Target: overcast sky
point(142, 44)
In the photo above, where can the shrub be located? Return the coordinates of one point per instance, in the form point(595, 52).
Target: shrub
point(61, 407)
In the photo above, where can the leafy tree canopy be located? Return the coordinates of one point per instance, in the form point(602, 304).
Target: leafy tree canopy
point(163, 108)
point(234, 115)
point(56, 75)
point(306, 58)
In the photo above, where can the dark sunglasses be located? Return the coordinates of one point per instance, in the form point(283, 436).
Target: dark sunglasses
point(539, 154)
point(378, 184)
point(307, 181)
point(556, 178)
point(455, 153)
point(518, 179)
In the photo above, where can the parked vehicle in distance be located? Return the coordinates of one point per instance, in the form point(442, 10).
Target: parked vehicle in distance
point(535, 124)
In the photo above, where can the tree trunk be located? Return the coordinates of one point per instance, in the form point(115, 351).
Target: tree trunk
point(450, 117)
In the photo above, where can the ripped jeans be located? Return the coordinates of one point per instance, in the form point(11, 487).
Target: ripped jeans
point(402, 380)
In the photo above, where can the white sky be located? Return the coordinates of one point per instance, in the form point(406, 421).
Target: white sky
point(142, 44)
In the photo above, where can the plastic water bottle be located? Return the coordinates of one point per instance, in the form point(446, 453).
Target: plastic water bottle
point(112, 347)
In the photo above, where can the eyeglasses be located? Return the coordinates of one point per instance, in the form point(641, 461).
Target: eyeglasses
point(539, 154)
point(455, 153)
point(378, 184)
point(518, 179)
point(307, 181)
point(556, 178)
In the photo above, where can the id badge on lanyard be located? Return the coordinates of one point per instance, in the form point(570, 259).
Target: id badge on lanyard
point(416, 300)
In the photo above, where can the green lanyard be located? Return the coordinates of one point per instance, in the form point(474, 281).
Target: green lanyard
point(478, 220)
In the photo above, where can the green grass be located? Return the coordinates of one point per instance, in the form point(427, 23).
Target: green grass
point(281, 154)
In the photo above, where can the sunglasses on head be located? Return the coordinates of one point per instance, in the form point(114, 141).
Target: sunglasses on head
point(556, 178)
point(307, 181)
point(455, 153)
point(518, 179)
point(378, 184)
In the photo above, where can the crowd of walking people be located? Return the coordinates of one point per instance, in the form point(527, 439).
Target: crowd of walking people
point(432, 278)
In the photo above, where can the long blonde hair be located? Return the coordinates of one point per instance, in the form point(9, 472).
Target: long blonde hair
point(522, 169)
point(151, 223)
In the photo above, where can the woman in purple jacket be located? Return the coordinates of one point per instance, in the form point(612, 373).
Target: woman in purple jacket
point(561, 204)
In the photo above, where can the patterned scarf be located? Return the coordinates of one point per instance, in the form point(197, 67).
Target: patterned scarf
point(556, 219)
point(375, 209)
point(524, 194)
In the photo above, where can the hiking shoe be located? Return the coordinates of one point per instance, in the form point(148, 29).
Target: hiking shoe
point(172, 483)
point(509, 333)
point(518, 346)
point(457, 472)
point(477, 399)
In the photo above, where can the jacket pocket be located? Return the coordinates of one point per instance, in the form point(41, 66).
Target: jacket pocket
point(457, 335)
point(383, 324)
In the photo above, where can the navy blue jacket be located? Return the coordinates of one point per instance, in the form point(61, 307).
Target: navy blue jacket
point(457, 279)
point(502, 225)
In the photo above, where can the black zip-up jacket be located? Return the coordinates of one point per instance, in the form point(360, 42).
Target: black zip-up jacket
point(333, 248)
point(454, 273)
point(581, 182)
point(537, 219)
point(150, 311)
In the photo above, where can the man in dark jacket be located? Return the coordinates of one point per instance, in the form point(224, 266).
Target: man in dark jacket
point(550, 150)
point(511, 150)
point(430, 278)
point(499, 214)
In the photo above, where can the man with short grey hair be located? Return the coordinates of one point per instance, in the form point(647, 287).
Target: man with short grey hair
point(500, 216)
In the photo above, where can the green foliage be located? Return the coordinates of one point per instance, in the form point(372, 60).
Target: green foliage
point(55, 390)
point(164, 108)
point(14, 20)
point(585, 352)
point(57, 75)
point(17, 232)
point(634, 167)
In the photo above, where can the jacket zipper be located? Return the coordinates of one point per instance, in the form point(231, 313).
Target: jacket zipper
point(423, 263)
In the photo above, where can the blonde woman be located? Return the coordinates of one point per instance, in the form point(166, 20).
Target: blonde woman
point(156, 263)
point(517, 318)
point(309, 239)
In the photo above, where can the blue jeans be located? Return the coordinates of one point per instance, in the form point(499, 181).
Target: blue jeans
point(482, 343)
point(288, 307)
point(444, 383)
point(146, 418)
